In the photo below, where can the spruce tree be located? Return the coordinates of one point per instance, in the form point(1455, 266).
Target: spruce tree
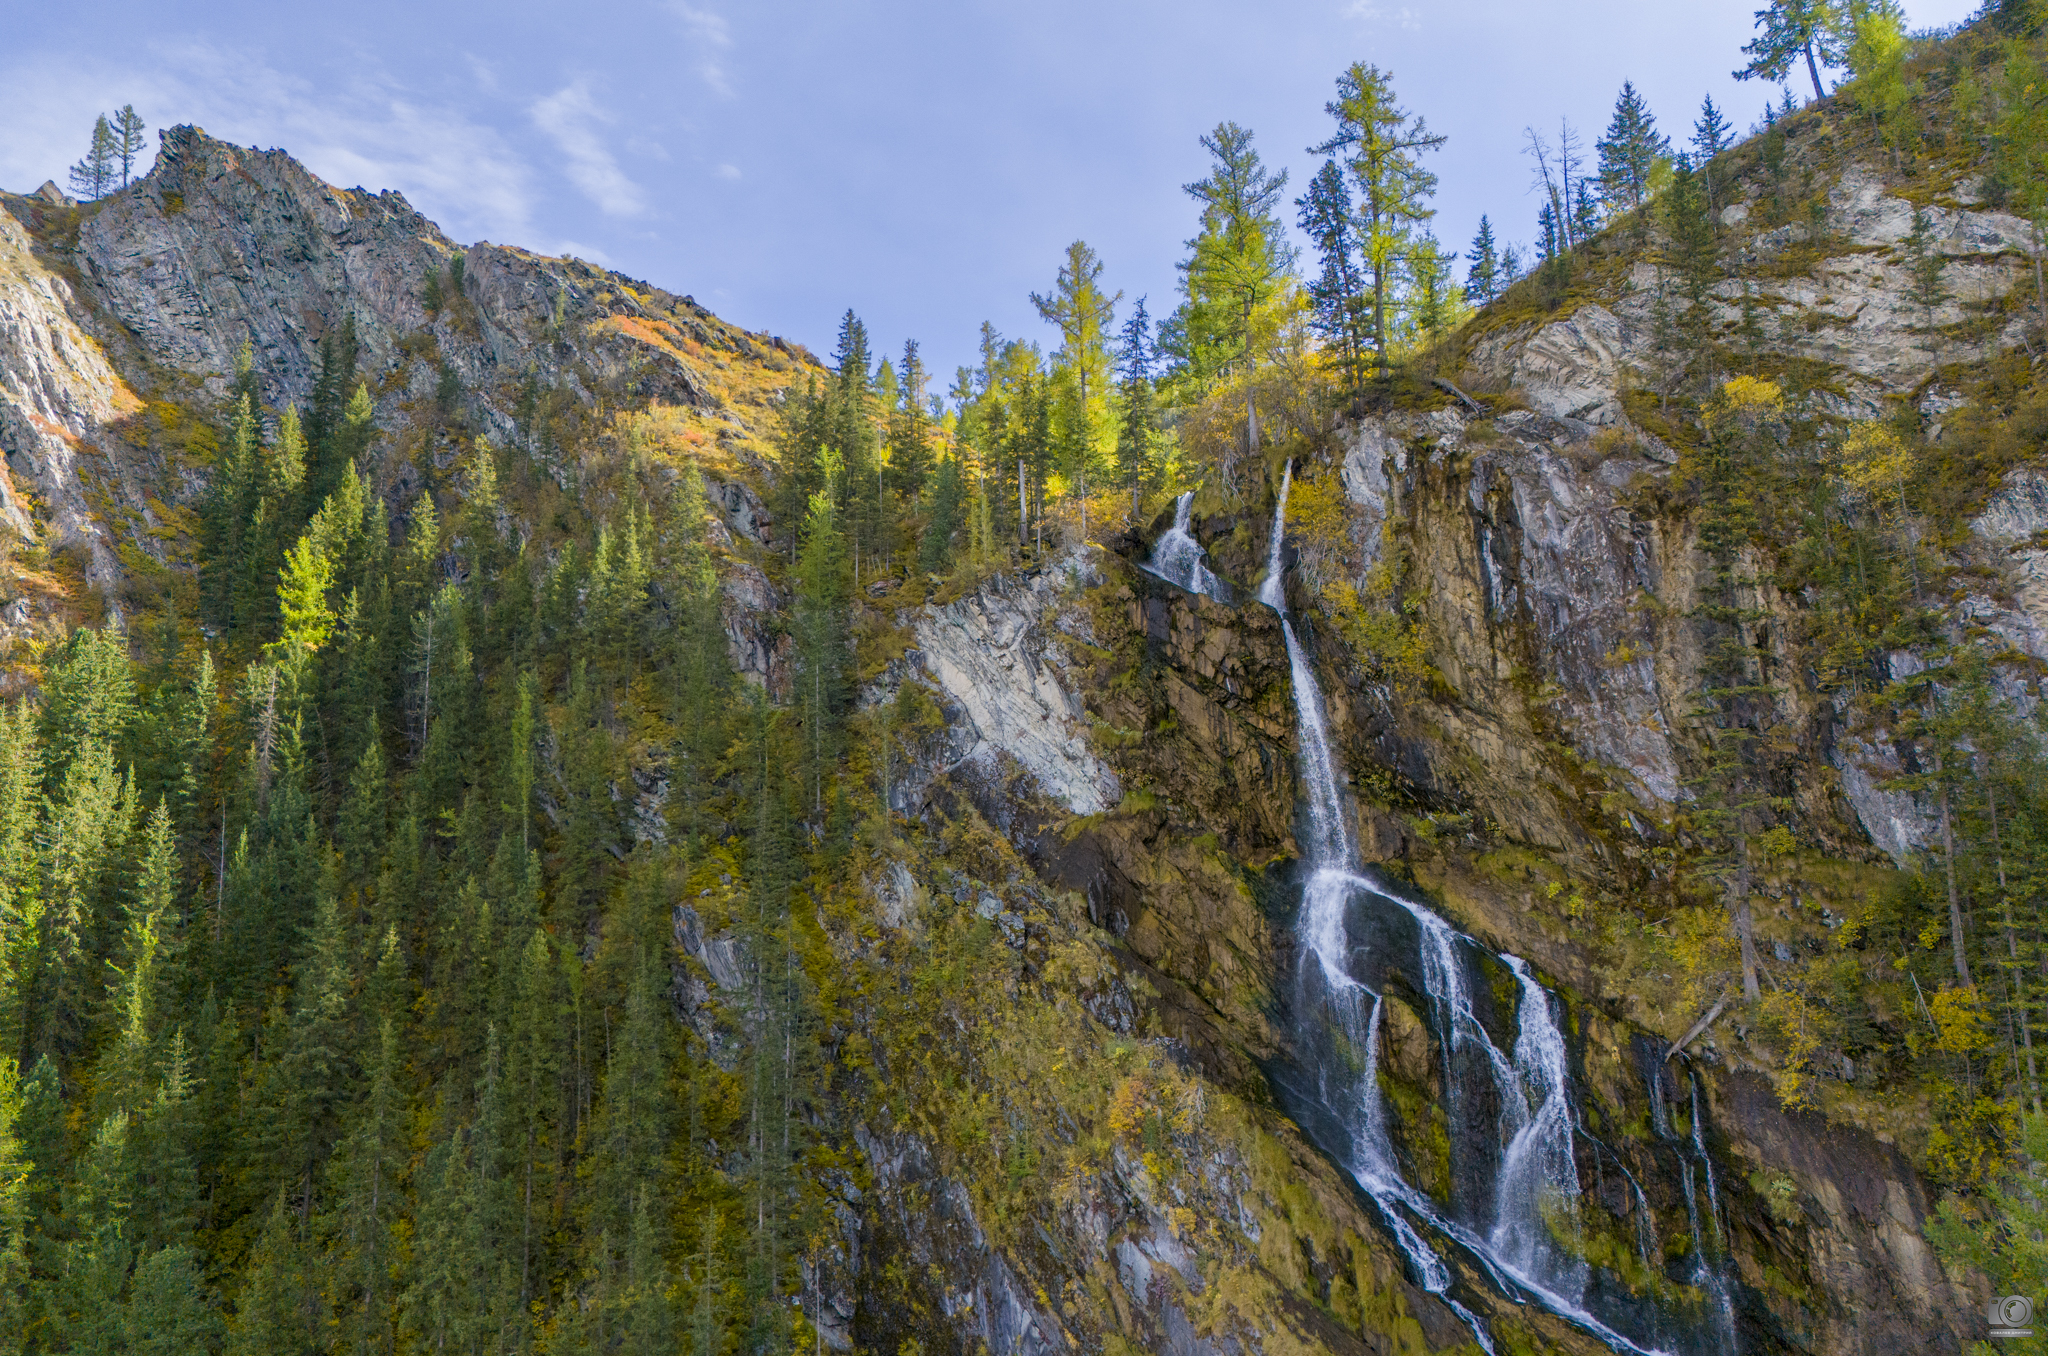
point(1337, 291)
point(1483, 281)
point(936, 552)
point(1431, 301)
point(1134, 431)
point(1629, 151)
point(910, 452)
point(170, 1309)
point(276, 1311)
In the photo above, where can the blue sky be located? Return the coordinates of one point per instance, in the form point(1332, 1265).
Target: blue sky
point(923, 163)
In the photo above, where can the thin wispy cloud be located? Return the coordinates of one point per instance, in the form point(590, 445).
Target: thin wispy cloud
point(370, 131)
point(1367, 11)
point(571, 119)
point(728, 171)
point(589, 254)
point(713, 38)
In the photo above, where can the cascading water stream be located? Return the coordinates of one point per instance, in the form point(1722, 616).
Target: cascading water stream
point(1709, 1278)
point(1534, 1180)
point(1271, 591)
point(1179, 559)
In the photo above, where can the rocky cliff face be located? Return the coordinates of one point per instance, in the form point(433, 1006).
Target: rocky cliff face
point(1110, 771)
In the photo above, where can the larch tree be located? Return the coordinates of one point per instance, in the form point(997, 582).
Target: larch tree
point(130, 134)
point(1083, 313)
point(1238, 261)
point(1383, 146)
point(1793, 31)
point(94, 176)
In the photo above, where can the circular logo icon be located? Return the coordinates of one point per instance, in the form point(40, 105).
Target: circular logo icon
point(2012, 1311)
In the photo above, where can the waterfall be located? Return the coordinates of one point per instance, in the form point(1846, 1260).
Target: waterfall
point(1537, 1171)
point(1509, 1227)
point(1711, 1279)
point(1272, 591)
point(1179, 559)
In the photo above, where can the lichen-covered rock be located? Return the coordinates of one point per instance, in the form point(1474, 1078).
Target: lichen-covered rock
point(990, 654)
point(59, 401)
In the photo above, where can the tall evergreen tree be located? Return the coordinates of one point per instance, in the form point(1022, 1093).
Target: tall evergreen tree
point(130, 135)
point(1711, 135)
point(1383, 146)
point(1083, 315)
point(97, 174)
point(1483, 280)
point(1134, 431)
point(1793, 30)
point(1629, 151)
point(1337, 291)
point(1238, 260)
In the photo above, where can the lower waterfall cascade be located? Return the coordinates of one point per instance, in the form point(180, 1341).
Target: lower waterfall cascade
point(1514, 1187)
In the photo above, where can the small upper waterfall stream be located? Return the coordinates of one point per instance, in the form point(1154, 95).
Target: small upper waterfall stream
point(1272, 590)
point(1513, 1207)
point(1179, 559)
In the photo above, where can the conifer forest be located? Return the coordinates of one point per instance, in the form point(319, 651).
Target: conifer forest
point(1419, 795)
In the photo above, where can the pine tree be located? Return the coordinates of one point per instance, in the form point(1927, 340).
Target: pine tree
point(1629, 151)
point(130, 135)
point(1384, 146)
point(1483, 281)
point(94, 176)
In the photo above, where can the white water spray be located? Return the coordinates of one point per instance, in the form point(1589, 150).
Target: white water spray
point(1179, 559)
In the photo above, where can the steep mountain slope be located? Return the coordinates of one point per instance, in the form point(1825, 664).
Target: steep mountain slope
point(1071, 1096)
point(126, 331)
